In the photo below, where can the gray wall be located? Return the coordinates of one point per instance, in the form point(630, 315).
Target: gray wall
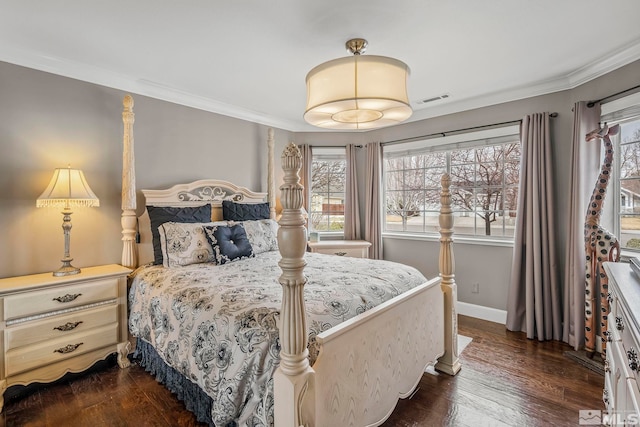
point(47, 121)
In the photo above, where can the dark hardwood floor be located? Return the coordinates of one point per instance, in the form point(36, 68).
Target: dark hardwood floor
point(506, 380)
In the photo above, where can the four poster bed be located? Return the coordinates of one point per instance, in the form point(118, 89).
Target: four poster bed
point(272, 335)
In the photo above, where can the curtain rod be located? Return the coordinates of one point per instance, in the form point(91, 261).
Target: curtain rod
point(606, 98)
point(443, 134)
point(334, 146)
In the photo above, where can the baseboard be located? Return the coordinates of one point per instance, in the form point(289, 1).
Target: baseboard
point(482, 312)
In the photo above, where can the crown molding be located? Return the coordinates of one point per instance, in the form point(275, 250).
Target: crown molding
point(617, 59)
point(92, 74)
point(104, 77)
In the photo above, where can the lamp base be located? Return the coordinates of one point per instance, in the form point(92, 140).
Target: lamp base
point(67, 269)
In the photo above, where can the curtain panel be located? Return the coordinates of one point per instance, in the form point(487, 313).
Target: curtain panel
point(534, 301)
point(373, 198)
point(351, 208)
point(305, 177)
point(584, 168)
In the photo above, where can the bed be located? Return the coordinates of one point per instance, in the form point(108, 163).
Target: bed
point(265, 333)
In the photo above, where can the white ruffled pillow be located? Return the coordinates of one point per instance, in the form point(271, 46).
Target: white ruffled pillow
point(185, 243)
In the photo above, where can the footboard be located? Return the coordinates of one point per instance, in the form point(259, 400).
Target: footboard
point(369, 362)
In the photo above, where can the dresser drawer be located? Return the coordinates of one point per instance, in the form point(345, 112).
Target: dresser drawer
point(59, 298)
point(632, 405)
point(33, 356)
point(630, 347)
point(50, 328)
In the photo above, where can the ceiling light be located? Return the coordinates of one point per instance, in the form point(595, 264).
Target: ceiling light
point(358, 92)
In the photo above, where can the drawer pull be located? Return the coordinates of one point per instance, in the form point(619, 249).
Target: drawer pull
point(68, 348)
point(619, 325)
point(67, 298)
point(69, 326)
point(607, 335)
point(341, 253)
point(609, 297)
point(633, 359)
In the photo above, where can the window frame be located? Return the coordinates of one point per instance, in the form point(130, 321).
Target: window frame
point(447, 144)
point(620, 111)
point(327, 154)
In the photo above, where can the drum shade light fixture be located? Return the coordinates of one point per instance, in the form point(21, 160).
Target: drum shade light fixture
point(358, 92)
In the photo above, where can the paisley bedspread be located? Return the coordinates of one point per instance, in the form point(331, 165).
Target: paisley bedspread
point(217, 324)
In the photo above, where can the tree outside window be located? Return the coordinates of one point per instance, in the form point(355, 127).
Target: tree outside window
point(327, 194)
point(484, 187)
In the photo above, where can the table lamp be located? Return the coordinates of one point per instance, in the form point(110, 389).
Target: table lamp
point(67, 188)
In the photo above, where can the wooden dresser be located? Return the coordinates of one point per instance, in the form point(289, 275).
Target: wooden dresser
point(350, 248)
point(622, 377)
point(54, 325)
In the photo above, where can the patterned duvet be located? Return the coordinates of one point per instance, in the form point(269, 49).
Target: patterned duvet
point(217, 324)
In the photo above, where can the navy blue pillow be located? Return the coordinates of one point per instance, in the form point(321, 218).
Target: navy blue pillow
point(229, 243)
point(161, 214)
point(232, 211)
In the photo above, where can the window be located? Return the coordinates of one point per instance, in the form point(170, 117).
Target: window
point(626, 188)
point(328, 175)
point(484, 168)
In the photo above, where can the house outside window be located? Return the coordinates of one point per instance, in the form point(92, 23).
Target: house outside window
point(485, 171)
point(626, 186)
point(328, 177)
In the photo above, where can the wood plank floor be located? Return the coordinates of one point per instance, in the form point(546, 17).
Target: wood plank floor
point(506, 380)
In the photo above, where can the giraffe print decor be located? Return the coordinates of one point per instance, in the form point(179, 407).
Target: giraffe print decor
point(600, 245)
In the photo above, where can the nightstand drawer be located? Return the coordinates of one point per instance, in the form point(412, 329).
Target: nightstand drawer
point(348, 248)
point(41, 354)
point(348, 252)
point(60, 298)
point(58, 326)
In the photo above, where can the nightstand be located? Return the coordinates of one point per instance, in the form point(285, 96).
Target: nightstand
point(350, 248)
point(55, 325)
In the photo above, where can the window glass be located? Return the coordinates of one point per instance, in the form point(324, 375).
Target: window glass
point(327, 192)
point(628, 203)
point(484, 185)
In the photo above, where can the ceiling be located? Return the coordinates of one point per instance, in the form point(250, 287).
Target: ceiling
point(249, 58)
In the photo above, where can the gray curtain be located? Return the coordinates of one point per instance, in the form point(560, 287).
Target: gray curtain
point(351, 207)
point(534, 303)
point(584, 167)
point(373, 197)
point(305, 177)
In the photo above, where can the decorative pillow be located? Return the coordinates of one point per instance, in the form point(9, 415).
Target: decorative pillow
point(229, 243)
point(262, 234)
point(161, 214)
point(232, 211)
point(185, 243)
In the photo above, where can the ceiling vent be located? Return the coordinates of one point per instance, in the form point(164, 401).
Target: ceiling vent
point(435, 98)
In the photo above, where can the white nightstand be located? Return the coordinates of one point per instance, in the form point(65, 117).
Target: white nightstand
point(350, 248)
point(54, 325)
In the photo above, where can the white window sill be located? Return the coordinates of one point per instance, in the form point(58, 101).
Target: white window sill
point(456, 239)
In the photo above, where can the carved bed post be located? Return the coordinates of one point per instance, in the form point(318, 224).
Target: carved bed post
point(271, 183)
point(129, 219)
point(291, 379)
point(449, 362)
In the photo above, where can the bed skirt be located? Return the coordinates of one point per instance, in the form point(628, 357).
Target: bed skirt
point(196, 400)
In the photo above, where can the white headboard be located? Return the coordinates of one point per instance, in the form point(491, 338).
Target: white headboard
point(193, 194)
point(197, 193)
